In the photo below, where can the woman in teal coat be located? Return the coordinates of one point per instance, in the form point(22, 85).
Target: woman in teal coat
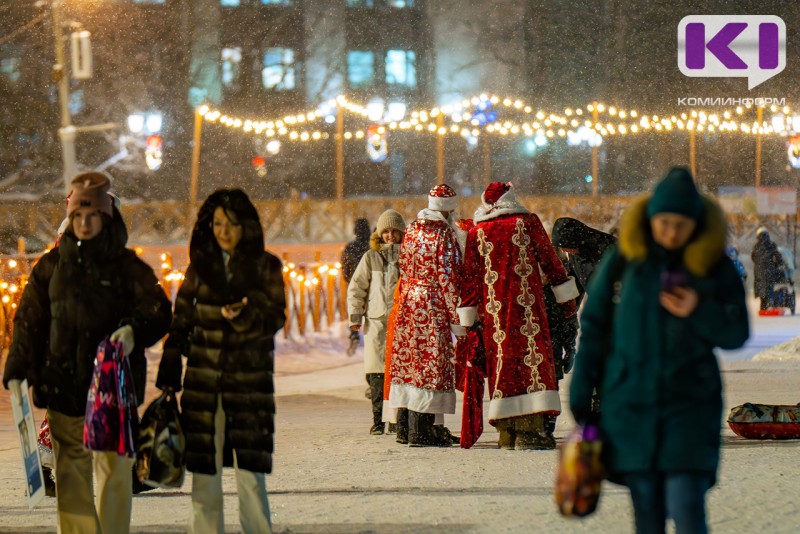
point(657, 306)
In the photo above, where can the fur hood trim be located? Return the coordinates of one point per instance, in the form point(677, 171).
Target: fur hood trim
point(700, 255)
point(507, 204)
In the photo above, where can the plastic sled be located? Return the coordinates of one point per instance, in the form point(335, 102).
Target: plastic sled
point(765, 421)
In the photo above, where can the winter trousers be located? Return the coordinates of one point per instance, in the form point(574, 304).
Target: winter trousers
point(657, 495)
point(207, 506)
point(375, 381)
point(75, 468)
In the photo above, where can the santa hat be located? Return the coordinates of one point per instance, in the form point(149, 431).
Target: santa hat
point(495, 191)
point(442, 198)
point(90, 190)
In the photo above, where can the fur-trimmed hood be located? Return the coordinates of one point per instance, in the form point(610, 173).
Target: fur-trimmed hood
point(704, 250)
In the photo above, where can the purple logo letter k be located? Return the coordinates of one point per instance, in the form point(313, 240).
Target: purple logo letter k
point(719, 45)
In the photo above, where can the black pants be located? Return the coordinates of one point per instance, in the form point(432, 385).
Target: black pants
point(375, 381)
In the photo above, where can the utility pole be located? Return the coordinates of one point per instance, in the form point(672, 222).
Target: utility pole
point(67, 131)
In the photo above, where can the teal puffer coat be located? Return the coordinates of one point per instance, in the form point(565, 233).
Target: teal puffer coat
point(659, 381)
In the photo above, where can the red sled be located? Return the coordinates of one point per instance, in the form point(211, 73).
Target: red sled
point(765, 421)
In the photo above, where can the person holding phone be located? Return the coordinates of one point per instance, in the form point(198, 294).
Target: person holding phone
point(227, 311)
point(656, 307)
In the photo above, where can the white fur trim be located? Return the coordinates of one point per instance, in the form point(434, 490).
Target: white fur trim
point(458, 330)
point(566, 291)
point(422, 400)
point(467, 315)
point(435, 215)
point(527, 404)
point(505, 205)
point(442, 203)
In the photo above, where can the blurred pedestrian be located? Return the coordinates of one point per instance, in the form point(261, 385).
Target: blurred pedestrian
point(87, 288)
point(370, 297)
point(228, 309)
point(583, 245)
point(655, 309)
point(422, 354)
point(504, 254)
point(768, 268)
point(351, 255)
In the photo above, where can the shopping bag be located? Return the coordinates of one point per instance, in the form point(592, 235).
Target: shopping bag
point(160, 455)
point(580, 472)
point(111, 419)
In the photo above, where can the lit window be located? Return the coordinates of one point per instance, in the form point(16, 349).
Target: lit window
point(277, 2)
point(401, 3)
point(278, 71)
point(401, 68)
point(360, 68)
point(231, 59)
point(360, 3)
point(229, 2)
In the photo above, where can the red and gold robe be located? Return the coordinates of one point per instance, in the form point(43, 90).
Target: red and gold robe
point(424, 316)
point(505, 253)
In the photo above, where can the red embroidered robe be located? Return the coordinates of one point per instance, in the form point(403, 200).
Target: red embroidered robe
point(504, 254)
point(425, 307)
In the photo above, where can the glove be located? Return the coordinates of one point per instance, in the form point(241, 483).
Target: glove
point(124, 335)
point(569, 308)
point(15, 386)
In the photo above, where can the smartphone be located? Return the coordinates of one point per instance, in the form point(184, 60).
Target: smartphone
point(672, 279)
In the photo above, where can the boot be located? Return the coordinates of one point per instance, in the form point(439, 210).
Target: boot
point(421, 431)
point(392, 428)
point(402, 426)
point(507, 435)
point(376, 396)
point(550, 424)
point(532, 434)
point(443, 433)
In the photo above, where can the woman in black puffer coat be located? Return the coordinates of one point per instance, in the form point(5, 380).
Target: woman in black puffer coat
point(87, 288)
point(227, 312)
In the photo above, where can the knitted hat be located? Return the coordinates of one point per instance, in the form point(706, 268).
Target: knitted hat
point(494, 191)
point(390, 219)
point(90, 190)
point(442, 198)
point(676, 193)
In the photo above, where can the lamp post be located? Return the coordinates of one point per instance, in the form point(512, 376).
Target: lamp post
point(60, 74)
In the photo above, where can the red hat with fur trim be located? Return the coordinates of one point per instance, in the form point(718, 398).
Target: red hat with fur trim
point(442, 198)
point(494, 191)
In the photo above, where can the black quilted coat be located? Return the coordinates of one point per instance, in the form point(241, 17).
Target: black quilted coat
point(77, 294)
point(234, 359)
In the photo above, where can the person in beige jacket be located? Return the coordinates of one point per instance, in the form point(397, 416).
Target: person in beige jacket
point(370, 298)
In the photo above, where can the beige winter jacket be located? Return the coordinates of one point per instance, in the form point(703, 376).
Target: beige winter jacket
point(370, 295)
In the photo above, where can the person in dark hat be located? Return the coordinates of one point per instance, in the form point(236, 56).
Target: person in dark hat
point(351, 256)
point(227, 312)
point(657, 306)
point(87, 288)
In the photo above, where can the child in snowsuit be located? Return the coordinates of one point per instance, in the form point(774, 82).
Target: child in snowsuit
point(370, 298)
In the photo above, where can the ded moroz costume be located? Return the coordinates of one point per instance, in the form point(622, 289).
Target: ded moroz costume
point(506, 253)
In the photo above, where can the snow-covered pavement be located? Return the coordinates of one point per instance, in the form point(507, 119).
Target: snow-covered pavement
point(331, 476)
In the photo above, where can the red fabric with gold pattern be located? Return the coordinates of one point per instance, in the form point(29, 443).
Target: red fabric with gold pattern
point(502, 279)
point(425, 307)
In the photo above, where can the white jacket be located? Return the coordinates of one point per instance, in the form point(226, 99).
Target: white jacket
point(370, 295)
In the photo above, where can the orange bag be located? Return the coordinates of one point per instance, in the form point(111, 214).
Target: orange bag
point(580, 472)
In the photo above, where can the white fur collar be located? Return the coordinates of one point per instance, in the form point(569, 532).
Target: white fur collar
point(434, 215)
point(505, 205)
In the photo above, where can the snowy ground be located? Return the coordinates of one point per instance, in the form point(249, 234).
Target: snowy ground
point(331, 476)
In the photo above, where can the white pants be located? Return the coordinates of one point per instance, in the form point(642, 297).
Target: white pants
point(75, 467)
point(207, 504)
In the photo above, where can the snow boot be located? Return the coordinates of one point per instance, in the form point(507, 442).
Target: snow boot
point(392, 429)
point(376, 396)
point(402, 426)
point(531, 434)
point(507, 435)
point(421, 431)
